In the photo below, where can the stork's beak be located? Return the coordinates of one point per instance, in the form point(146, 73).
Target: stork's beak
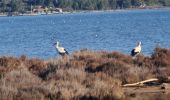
point(54, 44)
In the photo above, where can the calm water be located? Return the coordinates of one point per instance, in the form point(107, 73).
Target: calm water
point(111, 31)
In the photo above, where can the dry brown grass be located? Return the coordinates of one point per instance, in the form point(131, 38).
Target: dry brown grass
point(83, 75)
point(161, 57)
point(8, 63)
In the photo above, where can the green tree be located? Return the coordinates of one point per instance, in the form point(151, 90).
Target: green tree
point(136, 3)
point(16, 5)
point(151, 2)
point(112, 4)
point(126, 3)
point(4, 7)
point(165, 2)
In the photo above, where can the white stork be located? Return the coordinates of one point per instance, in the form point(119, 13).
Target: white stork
point(61, 50)
point(136, 50)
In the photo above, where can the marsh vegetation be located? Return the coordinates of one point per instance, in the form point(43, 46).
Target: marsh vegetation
point(84, 74)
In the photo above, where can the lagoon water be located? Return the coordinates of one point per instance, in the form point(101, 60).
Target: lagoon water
point(110, 31)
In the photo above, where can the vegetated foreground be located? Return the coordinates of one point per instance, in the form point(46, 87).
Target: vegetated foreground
point(82, 75)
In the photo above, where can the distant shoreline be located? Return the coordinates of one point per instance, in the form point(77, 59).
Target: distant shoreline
point(112, 10)
point(86, 11)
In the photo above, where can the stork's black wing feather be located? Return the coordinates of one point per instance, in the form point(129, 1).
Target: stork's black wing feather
point(133, 53)
point(66, 51)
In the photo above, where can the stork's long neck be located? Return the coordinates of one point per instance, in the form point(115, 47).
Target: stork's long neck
point(139, 45)
point(57, 45)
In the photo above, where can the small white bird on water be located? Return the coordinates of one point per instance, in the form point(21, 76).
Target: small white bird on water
point(61, 50)
point(136, 50)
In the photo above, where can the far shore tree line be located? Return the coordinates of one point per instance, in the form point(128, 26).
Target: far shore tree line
point(22, 6)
